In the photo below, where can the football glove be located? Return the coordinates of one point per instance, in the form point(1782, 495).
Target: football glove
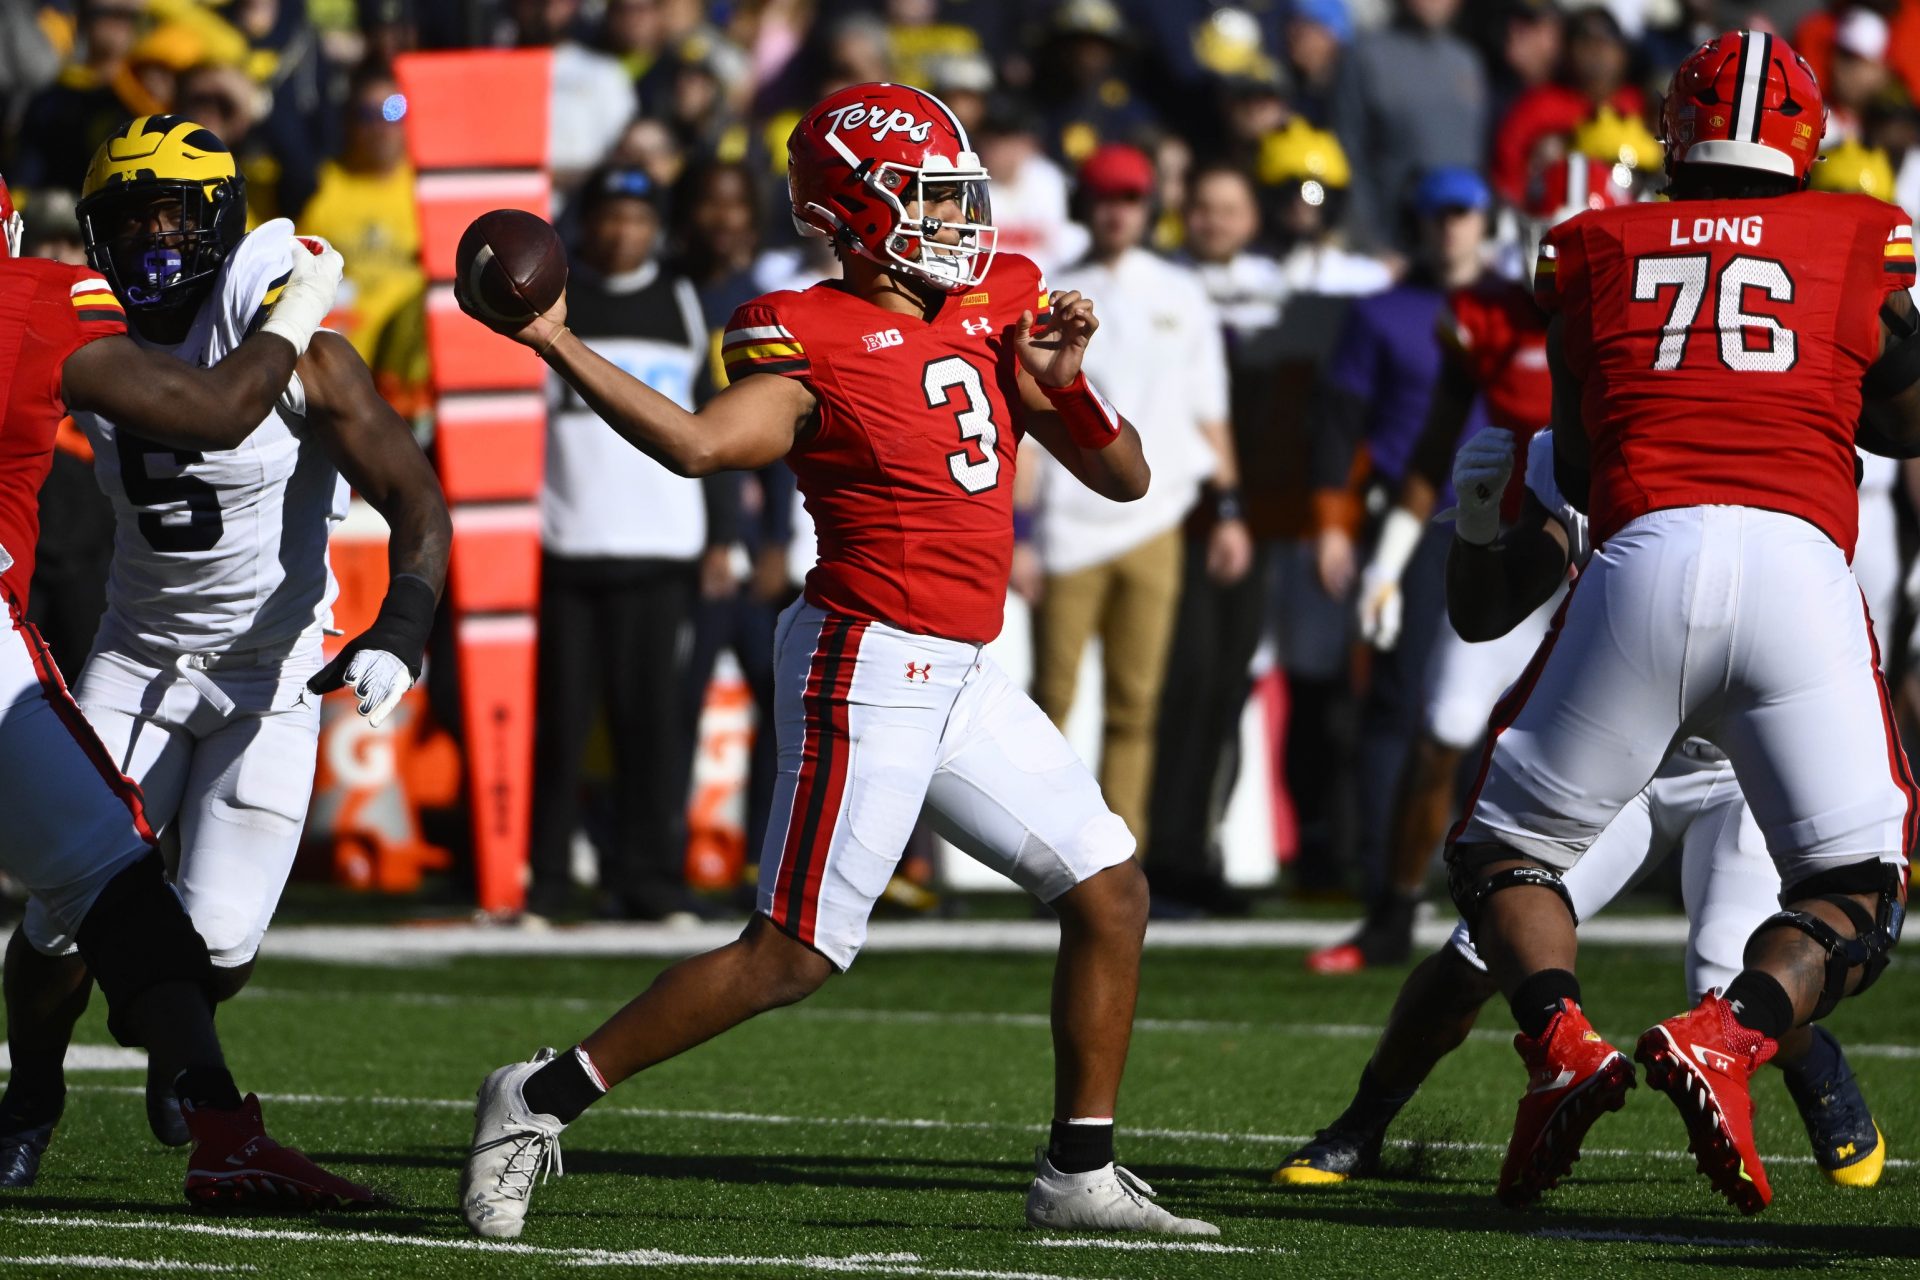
point(308, 296)
point(1480, 473)
point(383, 661)
point(1379, 602)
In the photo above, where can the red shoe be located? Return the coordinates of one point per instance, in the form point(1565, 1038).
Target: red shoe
point(1344, 957)
point(235, 1165)
point(1702, 1060)
point(1573, 1076)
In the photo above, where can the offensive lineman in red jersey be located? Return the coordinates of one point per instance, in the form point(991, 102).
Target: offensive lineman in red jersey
point(898, 395)
point(1710, 361)
point(75, 833)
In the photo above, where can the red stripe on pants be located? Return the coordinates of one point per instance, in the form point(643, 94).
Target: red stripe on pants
point(1897, 764)
point(814, 815)
point(54, 689)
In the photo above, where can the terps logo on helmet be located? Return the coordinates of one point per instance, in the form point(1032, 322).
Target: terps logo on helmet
point(879, 121)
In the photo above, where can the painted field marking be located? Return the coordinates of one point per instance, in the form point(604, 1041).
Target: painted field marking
point(893, 1264)
point(1602, 1236)
point(1151, 1246)
point(370, 944)
point(92, 1057)
point(903, 1017)
point(944, 1126)
point(101, 1262)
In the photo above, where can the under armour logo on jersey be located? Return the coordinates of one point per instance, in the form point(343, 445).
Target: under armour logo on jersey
point(920, 671)
point(884, 338)
point(977, 328)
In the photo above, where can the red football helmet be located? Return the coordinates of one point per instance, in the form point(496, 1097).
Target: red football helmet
point(864, 156)
point(1745, 99)
point(1573, 184)
point(11, 227)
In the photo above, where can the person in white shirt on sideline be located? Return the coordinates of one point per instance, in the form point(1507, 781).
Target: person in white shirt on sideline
point(1115, 571)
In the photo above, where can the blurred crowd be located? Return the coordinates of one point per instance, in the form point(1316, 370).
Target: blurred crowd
point(1269, 201)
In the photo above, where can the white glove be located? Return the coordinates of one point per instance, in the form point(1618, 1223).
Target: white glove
point(1379, 602)
point(1480, 473)
point(308, 294)
point(379, 680)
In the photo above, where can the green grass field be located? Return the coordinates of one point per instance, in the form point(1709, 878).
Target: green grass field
point(887, 1127)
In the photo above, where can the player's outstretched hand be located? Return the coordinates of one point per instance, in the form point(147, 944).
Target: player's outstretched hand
point(309, 293)
point(1053, 360)
point(1480, 473)
point(538, 333)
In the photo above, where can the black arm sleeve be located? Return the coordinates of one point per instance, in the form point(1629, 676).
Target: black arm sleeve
point(721, 491)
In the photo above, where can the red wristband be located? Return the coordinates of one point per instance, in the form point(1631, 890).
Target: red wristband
point(1091, 421)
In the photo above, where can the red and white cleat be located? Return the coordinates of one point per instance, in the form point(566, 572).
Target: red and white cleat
point(1702, 1060)
point(1573, 1077)
point(235, 1165)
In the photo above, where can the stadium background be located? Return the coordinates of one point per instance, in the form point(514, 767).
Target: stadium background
point(385, 124)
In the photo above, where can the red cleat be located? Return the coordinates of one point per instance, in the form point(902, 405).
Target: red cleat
point(1702, 1060)
point(235, 1165)
point(1573, 1077)
point(1345, 957)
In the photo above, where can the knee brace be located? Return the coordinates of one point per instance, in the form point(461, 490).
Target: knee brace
point(137, 936)
point(1873, 934)
point(1470, 890)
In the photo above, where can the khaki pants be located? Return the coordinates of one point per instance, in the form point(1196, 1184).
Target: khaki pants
point(1129, 602)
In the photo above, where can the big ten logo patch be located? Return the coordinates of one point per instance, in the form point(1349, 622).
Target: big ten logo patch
point(884, 338)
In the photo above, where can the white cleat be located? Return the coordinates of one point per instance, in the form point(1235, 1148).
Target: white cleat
point(1108, 1199)
point(513, 1148)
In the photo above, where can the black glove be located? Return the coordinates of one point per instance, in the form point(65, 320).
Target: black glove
point(405, 618)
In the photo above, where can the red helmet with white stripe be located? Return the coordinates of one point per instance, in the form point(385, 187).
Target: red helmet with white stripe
point(1573, 184)
point(873, 164)
point(1745, 99)
point(11, 227)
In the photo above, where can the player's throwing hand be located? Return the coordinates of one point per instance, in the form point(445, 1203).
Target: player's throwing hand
point(1054, 360)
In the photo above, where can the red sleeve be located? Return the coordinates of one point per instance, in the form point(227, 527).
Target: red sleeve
point(1896, 254)
point(757, 340)
point(97, 313)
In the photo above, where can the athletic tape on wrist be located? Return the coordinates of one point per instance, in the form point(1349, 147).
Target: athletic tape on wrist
point(1091, 421)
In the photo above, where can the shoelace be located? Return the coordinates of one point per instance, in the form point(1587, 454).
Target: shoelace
point(535, 1157)
point(1134, 1185)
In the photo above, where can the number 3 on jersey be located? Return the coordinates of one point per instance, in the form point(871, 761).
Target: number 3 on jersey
point(975, 417)
point(194, 522)
point(1687, 274)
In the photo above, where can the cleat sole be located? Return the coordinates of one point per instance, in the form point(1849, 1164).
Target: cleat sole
point(1558, 1148)
point(1307, 1176)
point(1713, 1148)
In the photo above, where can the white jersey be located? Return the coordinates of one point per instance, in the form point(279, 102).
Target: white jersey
point(225, 550)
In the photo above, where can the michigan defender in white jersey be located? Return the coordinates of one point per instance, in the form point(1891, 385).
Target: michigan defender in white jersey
point(204, 678)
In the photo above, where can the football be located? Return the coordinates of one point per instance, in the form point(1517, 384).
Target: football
point(512, 265)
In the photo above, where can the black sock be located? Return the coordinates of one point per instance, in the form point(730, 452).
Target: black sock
point(207, 1087)
point(1760, 1003)
point(1081, 1147)
point(1538, 998)
point(1372, 1108)
point(564, 1087)
point(29, 1103)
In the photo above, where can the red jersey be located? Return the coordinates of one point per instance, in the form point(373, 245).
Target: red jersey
point(908, 473)
point(1720, 346)
point(48, 311)
point(1498, 333)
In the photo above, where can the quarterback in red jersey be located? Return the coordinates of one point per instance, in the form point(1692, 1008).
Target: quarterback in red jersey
point(899, 396)
point(75, 832)
point(1495, 338)
point(1711, 357)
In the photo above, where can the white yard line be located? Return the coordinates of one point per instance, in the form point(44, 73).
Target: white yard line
point(431, 941)
point(1150, 1246)
point(100, 1262)
point(892, 1264)
point(92, 1057)
point(938, 1125)
point(904, 1017)
point(1599, 1236)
